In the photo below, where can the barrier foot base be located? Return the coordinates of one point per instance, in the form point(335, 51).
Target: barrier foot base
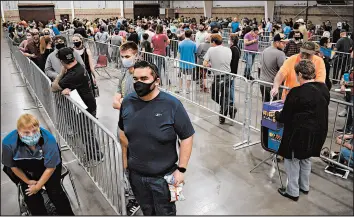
point(270, 157)
point(244, 144)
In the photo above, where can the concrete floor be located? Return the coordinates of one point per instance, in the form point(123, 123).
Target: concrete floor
point(218, 181)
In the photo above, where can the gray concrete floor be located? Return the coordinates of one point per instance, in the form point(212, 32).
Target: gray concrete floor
point(218, 181)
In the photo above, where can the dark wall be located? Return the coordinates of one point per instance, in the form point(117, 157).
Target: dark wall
point(146, 10)
point(38, 13)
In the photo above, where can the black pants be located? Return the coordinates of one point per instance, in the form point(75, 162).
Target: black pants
point(55, 192)
point(152, 194)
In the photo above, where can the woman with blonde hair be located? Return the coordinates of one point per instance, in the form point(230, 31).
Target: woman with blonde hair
point(32, 158)
point(87, 57)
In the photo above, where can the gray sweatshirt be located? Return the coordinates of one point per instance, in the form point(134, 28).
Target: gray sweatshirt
point(53, 65)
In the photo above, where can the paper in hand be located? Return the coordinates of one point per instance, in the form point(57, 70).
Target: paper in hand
point(76, 97)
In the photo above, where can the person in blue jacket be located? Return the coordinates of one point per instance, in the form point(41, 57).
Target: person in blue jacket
point(31, 157)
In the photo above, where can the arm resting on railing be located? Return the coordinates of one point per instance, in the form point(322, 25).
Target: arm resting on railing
point(55, 84)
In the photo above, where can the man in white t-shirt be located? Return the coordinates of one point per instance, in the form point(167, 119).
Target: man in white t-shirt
point(200, 36)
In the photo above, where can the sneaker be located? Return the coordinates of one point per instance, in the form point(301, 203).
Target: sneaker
point(187, 92)
point(342, 113)
point(177, 91)
point(132, 207)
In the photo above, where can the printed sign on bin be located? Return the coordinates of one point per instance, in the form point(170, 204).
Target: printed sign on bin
point(274, 139)
point(268, 115)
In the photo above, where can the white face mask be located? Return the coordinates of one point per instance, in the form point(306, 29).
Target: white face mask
point(128, 62)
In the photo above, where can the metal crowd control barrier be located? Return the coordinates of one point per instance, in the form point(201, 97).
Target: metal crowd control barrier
point(334, 145)
point(250, 63)
point(259, 92)
point(95, 147)
point(341, 63)
point(69, 118)
point(216, 91)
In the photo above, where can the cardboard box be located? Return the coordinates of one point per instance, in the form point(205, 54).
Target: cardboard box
point(274, 139)
point(268, 115)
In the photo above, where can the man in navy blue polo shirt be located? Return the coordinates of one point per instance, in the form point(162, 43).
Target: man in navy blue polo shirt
point(149, 123)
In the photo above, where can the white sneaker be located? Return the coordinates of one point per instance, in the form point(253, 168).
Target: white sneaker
point(342, 113)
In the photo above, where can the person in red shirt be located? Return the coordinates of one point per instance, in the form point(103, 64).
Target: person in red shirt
point(159, 43)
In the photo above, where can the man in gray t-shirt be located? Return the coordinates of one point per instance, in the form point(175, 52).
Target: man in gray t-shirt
point(272, 59)
point(219, 57)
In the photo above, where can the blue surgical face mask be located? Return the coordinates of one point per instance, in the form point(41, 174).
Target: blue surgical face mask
point(128, 62)
point(31, 140)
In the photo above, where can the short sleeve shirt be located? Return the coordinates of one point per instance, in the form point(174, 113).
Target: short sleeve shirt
point(288, 71)
point(159, 42)
point(14, 150)
point(187, 49)
point(152, 128)
point(251, 47)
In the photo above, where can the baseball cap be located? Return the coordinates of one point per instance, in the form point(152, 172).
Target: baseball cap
point(300, 20)
point(279, 37)
point(343, 30)
point(66, 54)
point(308, 47)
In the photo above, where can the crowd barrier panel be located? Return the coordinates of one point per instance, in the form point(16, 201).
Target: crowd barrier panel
point(341, 63)
point(219, 92)
point(70, 121)
point(250, 60)
point(259, 92)
point(95, 147)
point(334, 146)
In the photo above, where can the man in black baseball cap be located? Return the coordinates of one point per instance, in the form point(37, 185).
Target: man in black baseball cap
point(75, 77)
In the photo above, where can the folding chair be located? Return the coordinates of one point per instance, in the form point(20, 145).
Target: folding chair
point(102, 63)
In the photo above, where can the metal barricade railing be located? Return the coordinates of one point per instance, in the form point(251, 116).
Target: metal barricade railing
point(216, 91)
point(95, 147)
point(341, 63)
point(345, 158)
point(71, 120)
point(250, 63)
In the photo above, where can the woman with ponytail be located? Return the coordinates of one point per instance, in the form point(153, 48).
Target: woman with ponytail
point(45, 49)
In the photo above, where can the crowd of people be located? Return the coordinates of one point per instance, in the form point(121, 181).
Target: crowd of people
point(292, 59)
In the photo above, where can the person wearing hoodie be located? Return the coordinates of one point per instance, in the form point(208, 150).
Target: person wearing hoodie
point(53, 65)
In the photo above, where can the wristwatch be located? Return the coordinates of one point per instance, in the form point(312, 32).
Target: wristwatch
point(182, 169)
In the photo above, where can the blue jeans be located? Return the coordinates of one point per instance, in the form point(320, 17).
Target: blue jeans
point(152, 194)
point(249, 62)
point(232, 92)
point(345, 155)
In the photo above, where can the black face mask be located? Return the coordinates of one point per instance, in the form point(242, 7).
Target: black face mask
point(77, 43)
point(59, 45)
point(143, 89)
point(46, 33)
